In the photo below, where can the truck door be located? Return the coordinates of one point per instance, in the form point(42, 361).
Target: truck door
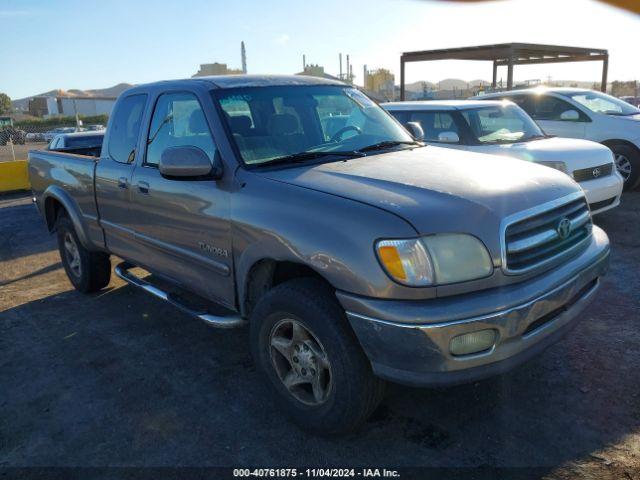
point(114, 171)
point(182, 225)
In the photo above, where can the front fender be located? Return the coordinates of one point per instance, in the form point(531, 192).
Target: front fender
point(331, 235)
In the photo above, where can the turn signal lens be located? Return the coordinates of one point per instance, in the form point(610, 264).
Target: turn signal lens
point(406, 261)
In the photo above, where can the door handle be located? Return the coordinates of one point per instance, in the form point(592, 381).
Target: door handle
point(122, 182)
point(143, 187)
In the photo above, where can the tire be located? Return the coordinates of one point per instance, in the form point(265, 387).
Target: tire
point(87, 271)
point(628, 164)
point(351, 390)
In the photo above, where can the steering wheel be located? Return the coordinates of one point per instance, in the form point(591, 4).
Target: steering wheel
point(338, 135)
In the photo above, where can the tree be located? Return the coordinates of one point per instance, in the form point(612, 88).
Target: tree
point(5, 103)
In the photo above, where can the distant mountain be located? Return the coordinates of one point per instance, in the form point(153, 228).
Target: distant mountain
point(23, 103)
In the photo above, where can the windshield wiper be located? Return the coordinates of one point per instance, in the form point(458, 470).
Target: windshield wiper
point(309, 155)
point(389, 144)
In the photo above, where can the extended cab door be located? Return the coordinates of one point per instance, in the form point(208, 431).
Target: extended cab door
point(114, 171)
point(182, 225)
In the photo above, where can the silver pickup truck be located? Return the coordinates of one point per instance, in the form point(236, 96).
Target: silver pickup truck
point(355, 253)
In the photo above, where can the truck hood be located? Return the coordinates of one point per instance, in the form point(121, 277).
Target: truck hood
point(436, 189)
point(575, 153)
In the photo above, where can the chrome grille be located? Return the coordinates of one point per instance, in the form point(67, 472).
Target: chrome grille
point(536, 238)
point(592, 173)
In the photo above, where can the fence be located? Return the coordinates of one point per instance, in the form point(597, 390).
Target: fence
point(20, 137)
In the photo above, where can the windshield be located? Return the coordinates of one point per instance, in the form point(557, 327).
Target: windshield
point(501, 124)
point(271, 123)
point(602, 103)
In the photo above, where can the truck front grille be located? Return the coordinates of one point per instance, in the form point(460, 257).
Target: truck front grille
point(592, 173)
point(546, 235)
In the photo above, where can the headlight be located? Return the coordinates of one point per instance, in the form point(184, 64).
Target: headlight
point(557, 165)
point(435, 259)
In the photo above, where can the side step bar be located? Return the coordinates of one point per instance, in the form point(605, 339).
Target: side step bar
point(231, 321)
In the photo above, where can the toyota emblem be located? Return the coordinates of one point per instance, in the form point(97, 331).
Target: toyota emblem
point(564, 228)
point(596, 172)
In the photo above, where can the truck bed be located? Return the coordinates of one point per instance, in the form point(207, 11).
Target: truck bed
point(71, 176)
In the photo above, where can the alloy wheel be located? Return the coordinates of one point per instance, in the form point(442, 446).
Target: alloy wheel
point(72, 254)
point(300, 361)
point(624, 166)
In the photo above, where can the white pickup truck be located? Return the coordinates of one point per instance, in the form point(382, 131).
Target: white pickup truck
point(503, 128)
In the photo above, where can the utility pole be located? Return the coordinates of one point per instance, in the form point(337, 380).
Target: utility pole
point(243, 55)
point(348, 79)
point(340, 58)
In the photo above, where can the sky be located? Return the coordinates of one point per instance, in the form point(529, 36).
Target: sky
point(88, 44)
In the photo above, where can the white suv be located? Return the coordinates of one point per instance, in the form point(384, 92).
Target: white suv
point(582, 113)
point(502, 128)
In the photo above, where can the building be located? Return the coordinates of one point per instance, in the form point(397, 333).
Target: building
point(46, 106)
point(381, 82)
point(216, 68)
point(316, 71)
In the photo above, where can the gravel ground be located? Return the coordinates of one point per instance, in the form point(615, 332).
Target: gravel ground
point(121, 379)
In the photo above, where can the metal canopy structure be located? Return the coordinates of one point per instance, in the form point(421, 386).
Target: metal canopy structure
point(509, 54)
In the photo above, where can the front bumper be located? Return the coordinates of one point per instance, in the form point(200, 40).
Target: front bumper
point(604, 191)
point(408, 341)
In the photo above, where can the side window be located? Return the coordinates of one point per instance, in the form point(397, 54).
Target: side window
point(125, 128)
point(522, 101)
point(434, 123)
point(178, 121)
point(546, 107)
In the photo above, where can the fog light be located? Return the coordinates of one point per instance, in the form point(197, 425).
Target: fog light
point(473, 342)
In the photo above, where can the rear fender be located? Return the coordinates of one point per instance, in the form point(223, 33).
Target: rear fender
point(54, 192)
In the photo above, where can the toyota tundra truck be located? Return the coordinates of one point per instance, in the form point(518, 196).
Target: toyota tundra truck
point(356, 254)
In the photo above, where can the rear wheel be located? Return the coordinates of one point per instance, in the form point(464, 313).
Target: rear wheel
point(88, 271)
point(627, 163)
point(315, 366)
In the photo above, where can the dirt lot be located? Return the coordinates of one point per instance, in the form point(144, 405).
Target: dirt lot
point(6, 155)
point(121, 379)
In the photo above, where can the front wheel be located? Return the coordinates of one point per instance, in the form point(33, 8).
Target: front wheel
point(316, 368)
point(88, 271)
point(627, 163)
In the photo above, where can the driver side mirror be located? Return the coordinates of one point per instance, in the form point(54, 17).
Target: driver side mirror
point(415, 130)
point(570, 116)
point(448, 137)
point(188, 161)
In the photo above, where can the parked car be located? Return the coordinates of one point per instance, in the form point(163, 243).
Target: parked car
point(503, 128)
point(48, 136)
point(93, 128)
point(80, 143)
point(635, 101)
point(34, 137)
point(355, 257)
point(13, 134)
point(581, 113)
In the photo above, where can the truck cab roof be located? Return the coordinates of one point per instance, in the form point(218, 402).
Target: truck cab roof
point(240, 81)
